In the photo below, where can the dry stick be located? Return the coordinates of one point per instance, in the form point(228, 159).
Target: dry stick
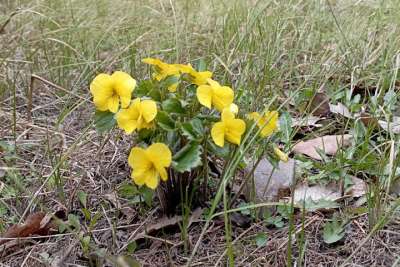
point(2, 28)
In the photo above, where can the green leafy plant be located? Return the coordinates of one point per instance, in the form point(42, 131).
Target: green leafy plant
point(333, 231)
point(181, 120)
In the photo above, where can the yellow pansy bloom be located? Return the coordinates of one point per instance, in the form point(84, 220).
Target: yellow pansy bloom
point(228, 128)
point(109, 91)
point(138, 115)
point(150, 164)
point(164, 70)
point(199, 77)
point(281, 155)
point(213, 94)
point(268, 122)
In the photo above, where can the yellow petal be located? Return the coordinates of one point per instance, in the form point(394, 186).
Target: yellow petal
point(218, 133)
point(222, 97)
point(200, 78)
point(149, 110)
point(159, 154)
point(269, 123)
point(204, 95)
point(145, 125)
point(127, 120)
point(163, 174)
point(113, 104)
point(254, 116)
point(102, 89)
point(281, 155)
point(138, 179)
point(152, 61)
point(172, 87)
point(234, 130)
point(213, 83)
point(151, 179)
point(184, 68)
point(124, 85)
point(227, 115)
point(138, 160)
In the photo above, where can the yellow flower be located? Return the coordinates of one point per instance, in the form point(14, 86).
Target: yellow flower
point(281, 155)
point(138, 115)
point(150, 164)
point(215, 95)
point(164, 70)
point(268, 122)
point(199, 77)
point(228, 128)
point(110, 90)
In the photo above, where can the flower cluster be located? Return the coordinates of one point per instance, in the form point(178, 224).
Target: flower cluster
point(177, 113)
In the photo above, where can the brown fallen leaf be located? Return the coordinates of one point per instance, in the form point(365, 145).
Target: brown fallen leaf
point(35, 224)
point(319, 105)
point(329, 144)
point(368, 120)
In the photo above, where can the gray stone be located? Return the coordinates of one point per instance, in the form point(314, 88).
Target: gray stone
point(268, 181)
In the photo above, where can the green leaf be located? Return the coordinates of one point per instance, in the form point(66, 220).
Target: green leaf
point(144, 88)
point(73, 221)
point(132, 247)
point(170, 80)
point(165, 121)
point(222, 152)
point(333, 231)
point(104, 121)
point(188, 157)
point(147, 194)
point(62, 227)
point(193, 129)
point(127, 190)
point(261, 239)
point(82, 196)
point(172, 105)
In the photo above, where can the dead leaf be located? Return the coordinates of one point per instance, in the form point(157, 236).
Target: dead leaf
point(330, 192)
point(35, 224)
point(308, 121)
point(316, 193)
point(368, 120)
point(319, 105)
point(393, 126)
point(340, 109)
point(329, 144)
point(358, 188)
